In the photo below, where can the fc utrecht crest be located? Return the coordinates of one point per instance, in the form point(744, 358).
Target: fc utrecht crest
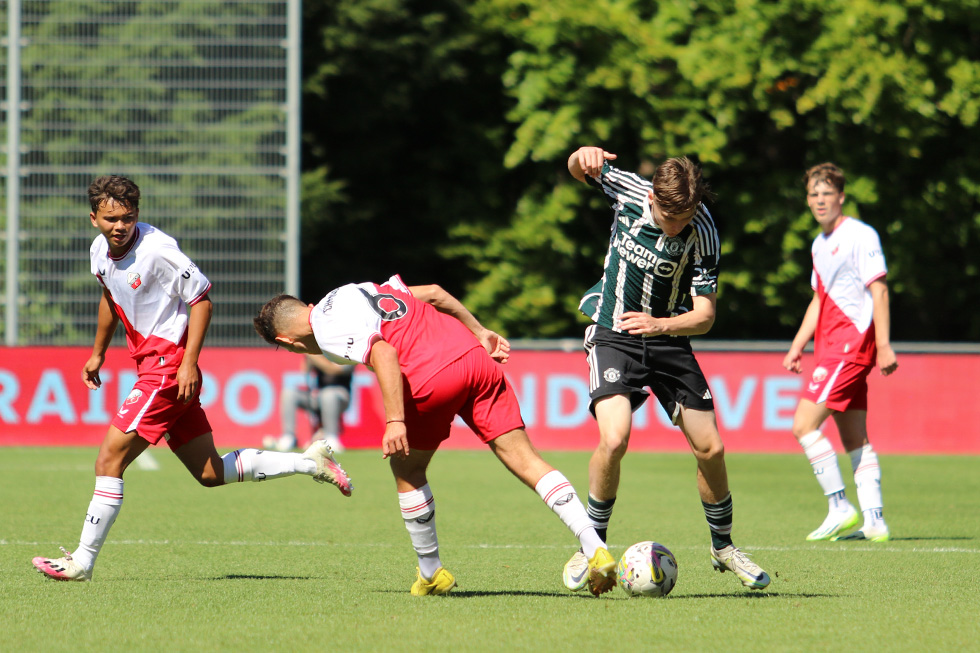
point(133, 279)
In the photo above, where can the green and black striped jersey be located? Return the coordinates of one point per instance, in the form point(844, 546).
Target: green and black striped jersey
point(645, 270)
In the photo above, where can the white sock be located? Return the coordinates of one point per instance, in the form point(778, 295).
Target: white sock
point(419, 512)
point(823, 460)
point(260, 465)
point(867, 477)
point(559, 495)
point(102, 511)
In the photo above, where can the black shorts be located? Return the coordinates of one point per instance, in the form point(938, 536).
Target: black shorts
point(621, 364)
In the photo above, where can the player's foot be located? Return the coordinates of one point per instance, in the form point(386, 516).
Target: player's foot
point(328, 470)
point(575, 575)
point(602, 572)
point(283, 443)
point(61, 568)
point(838, 521)
point(869, 533)
point(442, 582)
point(730, 558)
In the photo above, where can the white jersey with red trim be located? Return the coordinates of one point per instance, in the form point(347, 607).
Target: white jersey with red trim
point(151, 284)
point(845, 263)
point(350, 319)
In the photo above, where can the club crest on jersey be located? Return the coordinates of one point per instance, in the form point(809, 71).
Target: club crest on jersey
point(387, 306)
point(134, 396)
point(674, 246)
point(133, 279)
point(611, 375)
point(819, 374)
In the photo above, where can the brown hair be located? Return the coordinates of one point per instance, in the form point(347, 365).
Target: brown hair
point(275, 315)
point(107, 187)
point(826, 172)
point(679, 186)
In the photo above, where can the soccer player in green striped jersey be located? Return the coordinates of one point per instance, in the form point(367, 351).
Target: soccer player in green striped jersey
point(658, 287)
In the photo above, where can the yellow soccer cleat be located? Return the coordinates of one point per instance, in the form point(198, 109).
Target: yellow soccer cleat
point(442, 582)
point(602, 572)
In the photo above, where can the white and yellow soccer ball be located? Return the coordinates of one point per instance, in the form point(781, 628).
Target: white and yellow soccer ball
point(647, 569)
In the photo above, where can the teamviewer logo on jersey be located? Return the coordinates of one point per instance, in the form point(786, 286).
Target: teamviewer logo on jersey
point(133, 279)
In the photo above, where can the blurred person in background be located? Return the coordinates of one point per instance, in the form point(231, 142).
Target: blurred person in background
point(324, 397)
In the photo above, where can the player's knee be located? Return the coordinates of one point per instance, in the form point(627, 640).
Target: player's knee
point(710, 452)
point(208, 478)
point(614, 446)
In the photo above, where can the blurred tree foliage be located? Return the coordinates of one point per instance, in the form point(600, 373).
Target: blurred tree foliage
point(437, 134)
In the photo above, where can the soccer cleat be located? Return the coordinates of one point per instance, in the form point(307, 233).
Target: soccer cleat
point(575, 575)
point(836, 522)
point(868, 533)
point(602, 572)
point(328, 470)
point(61, 568)
point(334, 442)
point(442, 582)
point(730, 558)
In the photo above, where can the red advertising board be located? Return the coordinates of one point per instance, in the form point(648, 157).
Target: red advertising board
point(43, 401)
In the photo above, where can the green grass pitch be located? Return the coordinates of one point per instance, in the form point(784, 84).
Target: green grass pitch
point(293, 565)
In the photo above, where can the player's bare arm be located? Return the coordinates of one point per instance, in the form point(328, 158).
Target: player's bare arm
point(106, 326)
point(881, 316)
point(587, 161)
point(384, 361)
point(695, 322)
point(496, 345)
point(188, 375)
point(794, 358)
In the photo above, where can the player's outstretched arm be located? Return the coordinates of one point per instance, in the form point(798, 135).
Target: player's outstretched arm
point(881, 316)
point(108, 320)
point(188, 375)
point(794, 358)
point(587, 161)
point(495, 344)
point(383, 359)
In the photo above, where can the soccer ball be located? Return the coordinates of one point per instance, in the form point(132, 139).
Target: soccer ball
point(647, 569)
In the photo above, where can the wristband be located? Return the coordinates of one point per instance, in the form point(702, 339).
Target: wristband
point(394, 420)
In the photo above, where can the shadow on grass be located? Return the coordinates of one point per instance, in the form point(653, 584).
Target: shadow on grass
point(930, 538)
point(262, 577)
point(469, 594)
point(755, 596)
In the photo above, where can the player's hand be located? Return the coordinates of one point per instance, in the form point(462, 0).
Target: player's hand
point(90, 372)
point(188, 382)
point(590, 159)
point(636, 323)
point(496, 345)
point(887, 361)
point(395, 440)
point(794, 361)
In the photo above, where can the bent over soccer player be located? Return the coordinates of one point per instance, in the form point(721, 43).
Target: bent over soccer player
point(658, 287)
point(849, 320)
point(162, 299)
point(420, 343)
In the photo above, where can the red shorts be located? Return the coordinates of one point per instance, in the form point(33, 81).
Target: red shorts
point(472, 387)
point(840, 385)
point(152, 410)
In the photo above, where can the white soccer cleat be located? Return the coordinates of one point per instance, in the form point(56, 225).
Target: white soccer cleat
point(61, 568)
point(334, 443)
point(575, 575)
point(838, 521)
point(328, 470)
point(732, 559)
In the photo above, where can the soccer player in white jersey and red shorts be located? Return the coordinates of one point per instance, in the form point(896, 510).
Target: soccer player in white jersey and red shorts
point(434, 361)
point(849, 321)
point(161, 297)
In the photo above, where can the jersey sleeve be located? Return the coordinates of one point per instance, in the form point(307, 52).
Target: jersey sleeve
point(707, 255)
point(345, 325)
point(621, 187)
point(179, 275)
point(870, 257)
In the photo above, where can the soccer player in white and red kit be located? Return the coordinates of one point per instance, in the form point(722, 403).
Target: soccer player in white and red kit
point(434, 361)
point(850, 323)
point(161, 298)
